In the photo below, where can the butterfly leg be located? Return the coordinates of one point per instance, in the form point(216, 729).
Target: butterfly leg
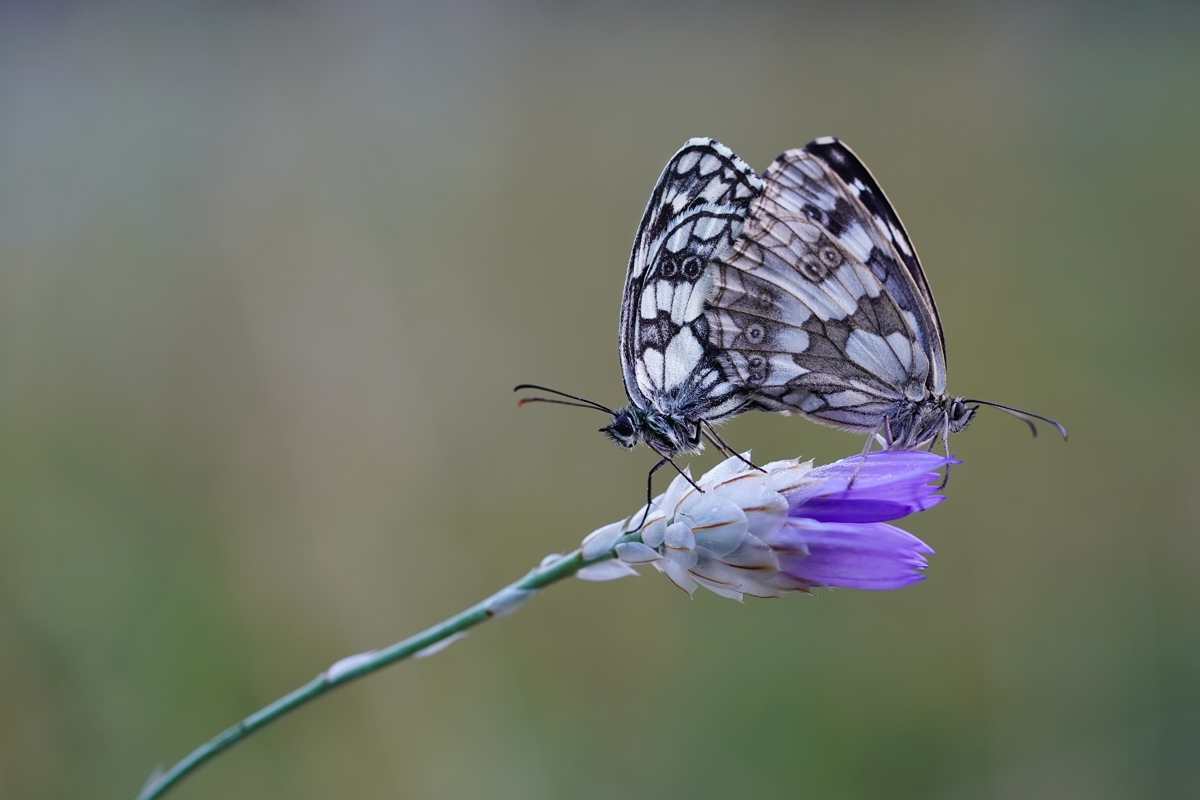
point(724, 447)
point(866, 449)
point(686, 477)
point(946, 449)
point(720, 448)
point(650, 489)
point(650, 483)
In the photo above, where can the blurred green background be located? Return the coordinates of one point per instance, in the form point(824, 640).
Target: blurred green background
point(268, 273)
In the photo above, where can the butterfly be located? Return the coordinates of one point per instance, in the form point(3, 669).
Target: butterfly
point(821, 308)
point(798, 292)
point(674, 375)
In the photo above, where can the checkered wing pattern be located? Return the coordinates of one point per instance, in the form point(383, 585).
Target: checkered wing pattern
point(821, 307)
point(696, 211)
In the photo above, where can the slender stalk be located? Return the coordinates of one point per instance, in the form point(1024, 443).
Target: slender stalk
point(351, 668)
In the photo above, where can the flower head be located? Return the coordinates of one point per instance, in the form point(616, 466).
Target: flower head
point(791, 527)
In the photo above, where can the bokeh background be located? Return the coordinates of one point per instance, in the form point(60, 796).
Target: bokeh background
point(268, 273)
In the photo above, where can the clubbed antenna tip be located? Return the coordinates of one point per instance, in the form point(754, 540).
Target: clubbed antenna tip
point(581, 402)
point(1025, 416)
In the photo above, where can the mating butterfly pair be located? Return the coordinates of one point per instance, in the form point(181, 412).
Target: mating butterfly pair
point(798, 292)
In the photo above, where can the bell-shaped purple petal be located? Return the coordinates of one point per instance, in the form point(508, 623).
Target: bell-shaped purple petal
point(854, 556)
point(875, 504)
point(888, 485)
point(882, 466)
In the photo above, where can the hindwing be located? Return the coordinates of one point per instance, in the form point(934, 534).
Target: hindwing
point(821, 306)
point(695, 213)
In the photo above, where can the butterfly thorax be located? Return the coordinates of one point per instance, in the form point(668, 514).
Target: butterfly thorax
point(913, 424)
point(667, 434)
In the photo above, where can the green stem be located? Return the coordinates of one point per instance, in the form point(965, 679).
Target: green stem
point(503, 602)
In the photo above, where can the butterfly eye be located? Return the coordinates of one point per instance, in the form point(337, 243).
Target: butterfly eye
point(958, 410)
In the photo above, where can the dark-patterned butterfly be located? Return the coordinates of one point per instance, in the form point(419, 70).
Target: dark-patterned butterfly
point(797, 293)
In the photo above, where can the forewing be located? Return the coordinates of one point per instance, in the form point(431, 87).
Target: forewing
point(842, 161)
point(695, 213)
point(815, 309)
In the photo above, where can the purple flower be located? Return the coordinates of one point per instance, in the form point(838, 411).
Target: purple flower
point(792, 528)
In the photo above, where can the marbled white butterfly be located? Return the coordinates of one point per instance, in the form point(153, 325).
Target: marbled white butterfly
point(821, 307)
point(673, 373)
point(797, 293)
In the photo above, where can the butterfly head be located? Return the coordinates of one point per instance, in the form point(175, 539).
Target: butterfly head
point(667, 434)
point(958, 414)
point(915, 424)
point(624, 428)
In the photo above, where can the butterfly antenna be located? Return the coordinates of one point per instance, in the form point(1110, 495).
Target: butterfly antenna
point(1024, 416)
point(525, 400)
point(582, 402)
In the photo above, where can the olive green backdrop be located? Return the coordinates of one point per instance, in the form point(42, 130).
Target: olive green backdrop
point(269, 272)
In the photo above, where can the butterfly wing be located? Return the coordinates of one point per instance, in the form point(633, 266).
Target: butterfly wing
point(821, 306)
point(695, 212)
point(841, 161)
